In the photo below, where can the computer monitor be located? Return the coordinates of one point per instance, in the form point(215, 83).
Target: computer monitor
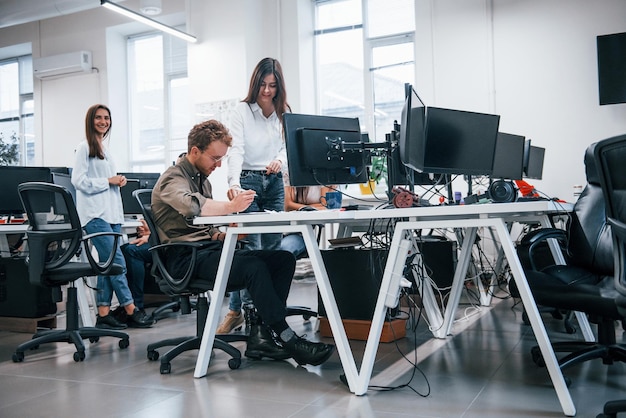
point(412, 130)
point(508, 161)
point(534, 164)
point(65, 180)
point(146, 180)
point(459, 142)
point(10, 178)
point(129, 203)
point(324, 150)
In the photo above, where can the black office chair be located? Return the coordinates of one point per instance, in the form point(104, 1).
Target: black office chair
point(587, 283)
point(609, 157)
point(54, 238)
point(184, 288)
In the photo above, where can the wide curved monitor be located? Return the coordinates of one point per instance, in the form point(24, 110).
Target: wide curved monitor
point(324, 150)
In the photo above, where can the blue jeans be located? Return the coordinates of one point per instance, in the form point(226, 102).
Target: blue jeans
point(294, 243)
point(109, 284)
point(270, 195)
point(136, 256)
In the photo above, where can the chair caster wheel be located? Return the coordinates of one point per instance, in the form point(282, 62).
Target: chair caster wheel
point(537, 357)
point(18, 357)
point(166, 368)
point(234, 363)
point(79, 356)
point(153, 355)
point(94, 339)
point(124, 343)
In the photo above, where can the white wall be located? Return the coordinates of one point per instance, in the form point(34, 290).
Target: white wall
point(533, 62)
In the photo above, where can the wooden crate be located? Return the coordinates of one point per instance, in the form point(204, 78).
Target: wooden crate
point(29, 325)
point(359, 329)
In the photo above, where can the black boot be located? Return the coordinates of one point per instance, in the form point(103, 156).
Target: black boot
point(260, 341)
point(307, 352)
point(261, 344)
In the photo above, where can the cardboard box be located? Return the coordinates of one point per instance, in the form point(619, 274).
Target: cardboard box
point(357, 329)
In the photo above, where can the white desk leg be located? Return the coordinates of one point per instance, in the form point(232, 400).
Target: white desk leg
point(459, 281)
point(332, 312)
point(535, 321)
point(396, 260)
point(557, 254)
point(219, 289)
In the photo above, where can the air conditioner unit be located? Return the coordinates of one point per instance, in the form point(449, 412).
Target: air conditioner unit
point(62, 65)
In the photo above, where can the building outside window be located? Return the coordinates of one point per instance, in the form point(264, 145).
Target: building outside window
point(365, 53)
point(17, 138)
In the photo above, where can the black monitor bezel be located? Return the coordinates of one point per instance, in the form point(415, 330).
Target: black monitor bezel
point(11, 203)
point(508, 161)
point(300, 171)
point(435, 147)
point(533, 168)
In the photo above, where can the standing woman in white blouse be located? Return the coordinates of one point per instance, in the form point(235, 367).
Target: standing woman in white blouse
point(255, 161)
point(99, 206)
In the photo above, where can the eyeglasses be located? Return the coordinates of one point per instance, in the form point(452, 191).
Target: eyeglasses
point(217, 159)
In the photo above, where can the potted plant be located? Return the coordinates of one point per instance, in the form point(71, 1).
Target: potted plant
point(377, 173)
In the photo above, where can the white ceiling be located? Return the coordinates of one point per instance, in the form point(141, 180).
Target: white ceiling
point(16, 12)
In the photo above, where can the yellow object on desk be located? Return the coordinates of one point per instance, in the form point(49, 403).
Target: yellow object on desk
point(369, 187)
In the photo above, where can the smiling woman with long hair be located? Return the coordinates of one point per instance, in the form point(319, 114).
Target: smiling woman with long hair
point(99, 206)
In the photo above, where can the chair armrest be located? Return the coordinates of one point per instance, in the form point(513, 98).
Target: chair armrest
point(542, 234)
point(101, 267)
point(179, 284)
point(538, 236)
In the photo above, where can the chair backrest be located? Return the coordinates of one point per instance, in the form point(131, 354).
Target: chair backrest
point(158, 269)
point(55, 233)
point(590, 243)
point(609, 157)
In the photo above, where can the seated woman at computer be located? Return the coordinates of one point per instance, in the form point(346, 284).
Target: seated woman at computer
point(301, 198)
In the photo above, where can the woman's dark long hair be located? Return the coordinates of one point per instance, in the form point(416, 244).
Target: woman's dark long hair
point(263, 68)
point(95, 147)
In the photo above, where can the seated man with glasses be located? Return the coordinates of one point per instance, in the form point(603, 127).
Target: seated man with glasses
point(183, 192)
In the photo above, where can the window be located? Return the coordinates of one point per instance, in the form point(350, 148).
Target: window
point(17, 137)
point(159, 97)
point(365, 54)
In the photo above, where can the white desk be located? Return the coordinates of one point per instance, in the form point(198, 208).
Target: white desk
point(469, 218)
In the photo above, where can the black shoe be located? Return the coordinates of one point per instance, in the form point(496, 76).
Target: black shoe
point(261, 344)
point(120, 314)
point(109, 322)
point(139, 319)
point(307, 352)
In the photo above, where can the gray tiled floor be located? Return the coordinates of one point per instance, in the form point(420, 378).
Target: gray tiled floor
point(483, 371)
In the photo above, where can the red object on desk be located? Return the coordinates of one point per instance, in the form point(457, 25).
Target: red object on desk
point(527, 190)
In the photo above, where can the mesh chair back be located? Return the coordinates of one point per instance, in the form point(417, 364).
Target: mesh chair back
point(55, 233)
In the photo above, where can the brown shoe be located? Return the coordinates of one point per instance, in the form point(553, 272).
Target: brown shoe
point(232, 320)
